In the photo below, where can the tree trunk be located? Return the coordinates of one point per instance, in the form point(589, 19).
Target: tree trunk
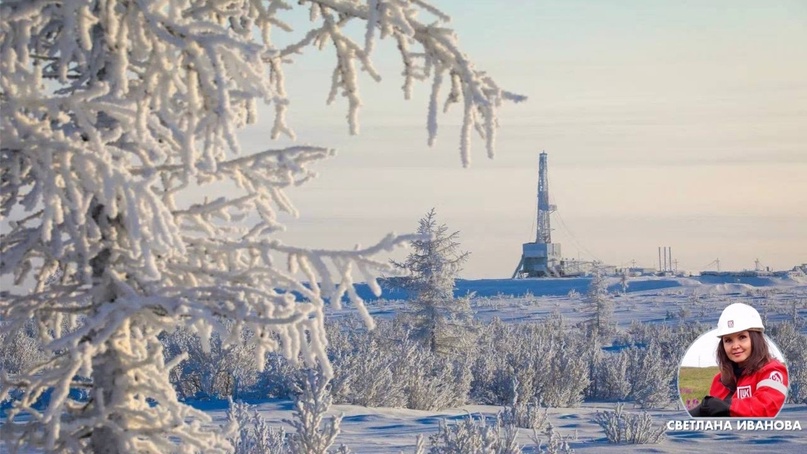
point(107, 369)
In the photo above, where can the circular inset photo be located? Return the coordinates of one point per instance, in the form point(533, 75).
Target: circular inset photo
point(734, 370)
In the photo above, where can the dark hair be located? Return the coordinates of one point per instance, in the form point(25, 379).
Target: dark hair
point(760, 355)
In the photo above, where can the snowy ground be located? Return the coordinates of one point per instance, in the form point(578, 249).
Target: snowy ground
point(390, 430)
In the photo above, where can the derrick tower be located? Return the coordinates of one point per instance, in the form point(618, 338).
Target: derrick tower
point(543, 233)
point(541, 258)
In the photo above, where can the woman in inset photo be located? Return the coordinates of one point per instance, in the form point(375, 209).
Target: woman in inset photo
point(751, 383)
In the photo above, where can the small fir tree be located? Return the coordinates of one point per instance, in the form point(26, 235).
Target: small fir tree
point(436, 316)
point(600, 305)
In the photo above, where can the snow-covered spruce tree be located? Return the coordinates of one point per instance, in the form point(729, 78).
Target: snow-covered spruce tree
point(600, 307)
point(115, 116)
point(436, 316)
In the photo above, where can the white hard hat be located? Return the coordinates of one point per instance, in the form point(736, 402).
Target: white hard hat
point(738, 317)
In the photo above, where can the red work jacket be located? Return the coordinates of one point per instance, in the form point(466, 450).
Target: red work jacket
point(758, 395)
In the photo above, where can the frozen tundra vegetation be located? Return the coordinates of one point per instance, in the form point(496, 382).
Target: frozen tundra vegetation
point(526, 376)
point(533, 379)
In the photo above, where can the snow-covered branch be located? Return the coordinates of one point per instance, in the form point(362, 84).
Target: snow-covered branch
point(439, 53)
point(133, 208)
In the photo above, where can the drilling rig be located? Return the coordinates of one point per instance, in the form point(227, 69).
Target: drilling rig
point(541, 258)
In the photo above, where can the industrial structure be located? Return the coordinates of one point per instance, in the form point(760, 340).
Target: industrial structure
point(541, 258)
point(666, 267)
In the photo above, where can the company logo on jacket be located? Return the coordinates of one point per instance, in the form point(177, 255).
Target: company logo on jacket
point(744, 392)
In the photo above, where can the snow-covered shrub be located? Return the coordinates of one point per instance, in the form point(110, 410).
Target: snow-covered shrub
point(524, 414)
point(475, 436)
point(563, 383)
point(555, 444)
point(280, 378)
point(249, 433)
point(650, 376)
point(792, 345)
point(609, 376)
point(224, 370)
point(493, 379)
point(313, 434)
point(545, 360)
point(365, 368)
point(385, 367)
point(491, 302)
point(560, 360)
point(434, 381)
point(792, 313)
point(19, 348)
point(627, 428)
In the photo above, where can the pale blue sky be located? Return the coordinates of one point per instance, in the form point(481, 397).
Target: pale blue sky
point(679, 124)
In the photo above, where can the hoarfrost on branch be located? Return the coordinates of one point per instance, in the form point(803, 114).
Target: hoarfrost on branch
point(119, 131)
